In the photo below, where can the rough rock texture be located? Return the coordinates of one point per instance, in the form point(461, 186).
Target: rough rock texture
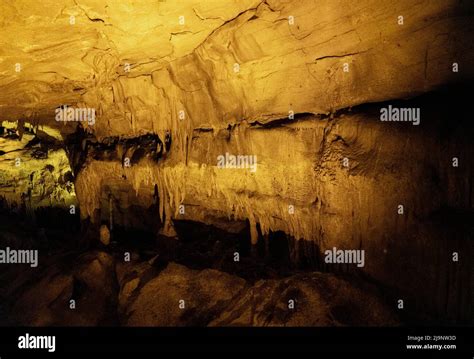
point(190, 66)
point(150, 295)
point(319, 300)
point(215, 298)
point(43, 298)
point(210, 77)
point(34, 169)
point(300, 164)
point(205, 293)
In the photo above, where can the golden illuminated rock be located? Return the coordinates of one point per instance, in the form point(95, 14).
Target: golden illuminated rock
point(179, 91)
point(104, 235)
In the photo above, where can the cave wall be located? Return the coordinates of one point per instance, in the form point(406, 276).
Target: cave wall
point(267, 78)
point(34, 169)
point(302, 187)
point(182, 57)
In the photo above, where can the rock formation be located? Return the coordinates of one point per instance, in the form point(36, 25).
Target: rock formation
point(296, 89)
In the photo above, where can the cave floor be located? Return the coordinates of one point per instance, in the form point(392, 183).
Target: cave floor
point(204, 277)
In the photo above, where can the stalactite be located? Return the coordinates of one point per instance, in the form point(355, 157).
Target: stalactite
point(111, 213)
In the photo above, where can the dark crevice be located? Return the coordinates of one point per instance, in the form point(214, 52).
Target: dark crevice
point(81, 146)
point(451, 95)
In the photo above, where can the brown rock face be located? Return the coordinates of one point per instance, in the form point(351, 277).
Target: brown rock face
point(262, 118)
point(222, 62)
point(213, 298)
point(86, 294)
point(81, 292)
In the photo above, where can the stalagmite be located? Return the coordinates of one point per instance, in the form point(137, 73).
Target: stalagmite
point(253, 236)
point(104, 235)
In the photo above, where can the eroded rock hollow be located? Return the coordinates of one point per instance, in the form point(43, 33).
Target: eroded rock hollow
point(252, 163)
